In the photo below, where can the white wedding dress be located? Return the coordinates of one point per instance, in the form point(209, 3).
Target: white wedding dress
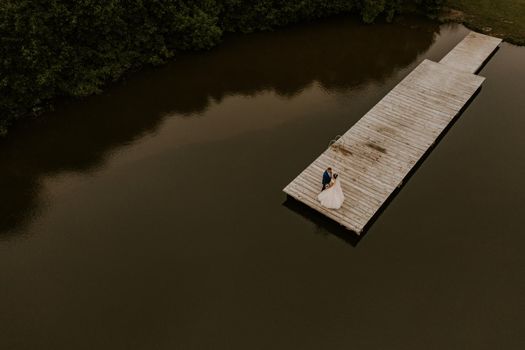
point(333, 196)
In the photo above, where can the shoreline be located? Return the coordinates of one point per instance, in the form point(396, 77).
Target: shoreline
point(486, 21)
point(502, 22)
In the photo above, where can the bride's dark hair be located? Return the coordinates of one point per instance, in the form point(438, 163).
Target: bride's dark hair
point(335, 176)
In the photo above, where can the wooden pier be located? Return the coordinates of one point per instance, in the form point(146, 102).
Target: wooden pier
point(379, 151)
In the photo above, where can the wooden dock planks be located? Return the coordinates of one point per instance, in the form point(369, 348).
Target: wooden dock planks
point(379, 151)
point(470, 54)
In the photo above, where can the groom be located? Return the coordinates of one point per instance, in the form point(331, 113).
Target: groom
point(327, 177)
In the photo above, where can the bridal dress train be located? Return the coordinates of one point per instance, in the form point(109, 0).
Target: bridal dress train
point(332, 197)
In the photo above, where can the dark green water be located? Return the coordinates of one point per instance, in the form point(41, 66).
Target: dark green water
point(152, 217)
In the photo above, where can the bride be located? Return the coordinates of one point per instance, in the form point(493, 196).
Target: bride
point(333, 196)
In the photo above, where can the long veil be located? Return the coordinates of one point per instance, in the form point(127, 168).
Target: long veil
point(339, 191)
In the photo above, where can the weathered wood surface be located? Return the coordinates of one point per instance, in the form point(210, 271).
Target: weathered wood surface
point(470, 54)
point(377, 153)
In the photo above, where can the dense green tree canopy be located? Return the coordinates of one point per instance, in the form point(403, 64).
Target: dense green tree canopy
point(53, 48)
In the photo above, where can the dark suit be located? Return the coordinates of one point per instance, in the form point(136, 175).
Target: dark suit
point(326, 179)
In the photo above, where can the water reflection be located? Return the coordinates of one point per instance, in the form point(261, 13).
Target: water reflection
point(338, 54)
point(323, 224)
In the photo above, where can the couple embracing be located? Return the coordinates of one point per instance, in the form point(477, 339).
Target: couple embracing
point(331, 195)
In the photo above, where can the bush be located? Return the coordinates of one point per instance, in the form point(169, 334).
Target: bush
point(430, 7)
point(53, 48)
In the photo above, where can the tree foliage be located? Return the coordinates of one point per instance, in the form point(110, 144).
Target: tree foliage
point(51, 48)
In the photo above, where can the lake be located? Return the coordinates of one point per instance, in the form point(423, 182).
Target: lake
point(152, 216)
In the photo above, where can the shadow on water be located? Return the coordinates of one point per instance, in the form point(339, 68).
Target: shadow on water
point(323, 224)
point(339, 54)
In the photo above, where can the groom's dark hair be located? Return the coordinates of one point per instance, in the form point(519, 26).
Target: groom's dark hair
point(329, 168)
